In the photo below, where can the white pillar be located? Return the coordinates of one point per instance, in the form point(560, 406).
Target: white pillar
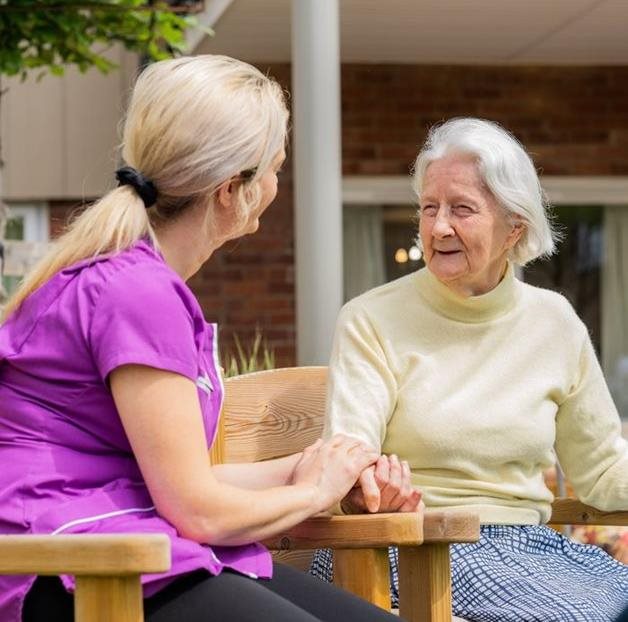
point(318, 175)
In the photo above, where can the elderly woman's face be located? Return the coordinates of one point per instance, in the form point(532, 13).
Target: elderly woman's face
point(465, 234)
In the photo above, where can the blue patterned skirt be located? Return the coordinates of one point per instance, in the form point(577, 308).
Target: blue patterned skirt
point(528, 573)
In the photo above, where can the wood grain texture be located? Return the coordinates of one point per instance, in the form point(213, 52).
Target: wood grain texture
point(425, 583)
point(217, 450)
point(301, 559)
point(573, 512)
point(273, 413)
point(94, 555)
point(108, 599)
point(351, 532)
point(364, 573)
point(450, 526)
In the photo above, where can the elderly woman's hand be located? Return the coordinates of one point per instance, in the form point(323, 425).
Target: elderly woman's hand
point(384, 487)
point(619, 550)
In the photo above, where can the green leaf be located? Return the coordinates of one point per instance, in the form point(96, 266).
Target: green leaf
point(249, 358)
point(75, 31)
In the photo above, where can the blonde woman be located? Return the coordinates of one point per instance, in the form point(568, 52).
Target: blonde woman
point(109, 383)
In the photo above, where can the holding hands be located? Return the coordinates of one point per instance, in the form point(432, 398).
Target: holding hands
point(333, 467)
point(384, 487)
point(346, 469)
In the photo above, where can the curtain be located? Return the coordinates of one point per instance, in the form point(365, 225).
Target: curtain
point(363, 248)
point(615, 305)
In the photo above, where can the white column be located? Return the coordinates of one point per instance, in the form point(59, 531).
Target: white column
point(318, 175)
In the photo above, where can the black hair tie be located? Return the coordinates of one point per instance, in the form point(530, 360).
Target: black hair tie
point(128, 176)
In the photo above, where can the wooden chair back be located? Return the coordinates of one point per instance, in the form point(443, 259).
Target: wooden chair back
point(272, 414)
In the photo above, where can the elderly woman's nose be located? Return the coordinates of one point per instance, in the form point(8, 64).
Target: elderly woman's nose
point(442, 224)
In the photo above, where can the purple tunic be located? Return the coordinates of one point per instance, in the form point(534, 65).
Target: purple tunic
point(67, 466)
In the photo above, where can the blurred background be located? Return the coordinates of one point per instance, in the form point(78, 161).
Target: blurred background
point(554, 73)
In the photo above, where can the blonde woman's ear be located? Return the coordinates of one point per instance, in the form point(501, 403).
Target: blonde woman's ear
point(225, 193)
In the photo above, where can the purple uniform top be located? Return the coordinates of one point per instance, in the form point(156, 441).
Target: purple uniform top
point(67, 466)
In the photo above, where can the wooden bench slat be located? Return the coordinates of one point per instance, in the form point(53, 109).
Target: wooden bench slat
point(573, 512)
point(450, 526)
point(351, 532)
point(94, 555)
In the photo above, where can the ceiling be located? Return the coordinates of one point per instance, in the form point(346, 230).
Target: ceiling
point(490, 32)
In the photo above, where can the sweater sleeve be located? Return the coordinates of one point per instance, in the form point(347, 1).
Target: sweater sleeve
point(589, 443)
point(361, 389)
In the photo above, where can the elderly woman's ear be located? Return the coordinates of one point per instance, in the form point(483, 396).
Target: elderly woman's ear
point(518, 229)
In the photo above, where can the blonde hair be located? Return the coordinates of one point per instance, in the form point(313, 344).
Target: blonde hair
point(192, 123)
point(508, 172)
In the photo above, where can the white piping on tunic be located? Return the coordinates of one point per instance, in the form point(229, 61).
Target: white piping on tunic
point(204, 383)
point(90, 519)
point(251, 575)
point(217, 369)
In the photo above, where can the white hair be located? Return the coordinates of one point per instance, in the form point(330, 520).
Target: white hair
point(506, 170)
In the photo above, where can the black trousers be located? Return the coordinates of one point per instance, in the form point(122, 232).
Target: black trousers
point(290, 596)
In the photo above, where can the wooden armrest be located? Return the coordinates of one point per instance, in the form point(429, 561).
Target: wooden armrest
point(351, 532)
point(361, 531)
point(572, 512)
point(93, 555)
point(445, 526)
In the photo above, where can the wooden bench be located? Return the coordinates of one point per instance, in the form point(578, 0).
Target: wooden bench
point(107, 568)
point(275, 413)
point(279, 412)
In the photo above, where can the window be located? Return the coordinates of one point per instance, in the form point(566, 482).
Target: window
point(576, 269)
point(27, 223)
point(590, 269)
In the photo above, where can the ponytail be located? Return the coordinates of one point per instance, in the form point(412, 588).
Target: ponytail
point(192, 123)
point(110, 225)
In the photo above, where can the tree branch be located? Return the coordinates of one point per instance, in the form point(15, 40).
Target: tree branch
point(196, 6)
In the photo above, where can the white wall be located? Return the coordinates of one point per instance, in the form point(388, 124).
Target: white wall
point(59, 135)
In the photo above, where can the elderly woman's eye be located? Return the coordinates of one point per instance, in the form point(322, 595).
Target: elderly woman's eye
point(463, 210)
point(429, 210)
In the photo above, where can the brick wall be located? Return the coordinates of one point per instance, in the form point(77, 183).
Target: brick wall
point(249, 283)
point(573, 120)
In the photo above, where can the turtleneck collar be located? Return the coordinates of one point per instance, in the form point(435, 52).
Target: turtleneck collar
point(473, 309)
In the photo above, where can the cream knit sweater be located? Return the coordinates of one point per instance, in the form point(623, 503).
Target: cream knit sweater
point(476, 393)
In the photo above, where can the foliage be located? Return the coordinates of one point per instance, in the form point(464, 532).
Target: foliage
point(48, 34)
point(246, 359)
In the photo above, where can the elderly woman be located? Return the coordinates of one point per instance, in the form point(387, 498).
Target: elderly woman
point(476, 379)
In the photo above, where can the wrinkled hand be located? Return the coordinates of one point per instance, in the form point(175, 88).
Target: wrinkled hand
point(619, 550)
point(384, 487)
point(333, 467)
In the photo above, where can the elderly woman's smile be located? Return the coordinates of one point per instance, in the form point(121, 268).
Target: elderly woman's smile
point(465, 234)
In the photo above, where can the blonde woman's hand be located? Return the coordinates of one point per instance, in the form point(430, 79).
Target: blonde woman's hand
point(333, 467)
point(384, 487)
